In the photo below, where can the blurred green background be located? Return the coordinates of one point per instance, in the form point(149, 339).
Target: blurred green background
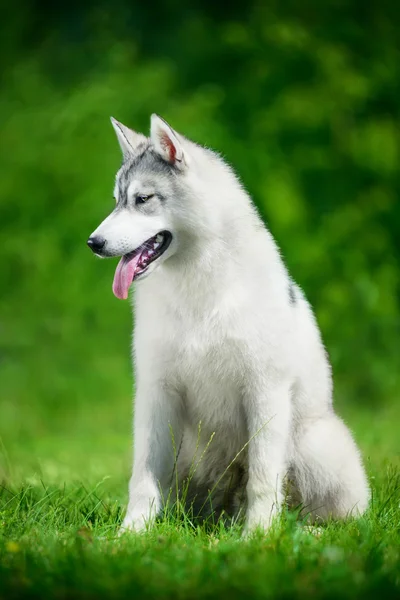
point(302, 98)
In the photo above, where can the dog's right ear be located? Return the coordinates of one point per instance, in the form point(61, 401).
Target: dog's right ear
point(167, 142)
point(128, 139)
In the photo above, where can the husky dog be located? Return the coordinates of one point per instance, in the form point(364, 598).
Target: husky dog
point(233, 384)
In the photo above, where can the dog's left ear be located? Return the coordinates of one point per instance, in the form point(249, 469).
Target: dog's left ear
point(167, 142)
point(127, 138)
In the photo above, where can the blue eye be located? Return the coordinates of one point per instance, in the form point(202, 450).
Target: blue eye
point(142, 198)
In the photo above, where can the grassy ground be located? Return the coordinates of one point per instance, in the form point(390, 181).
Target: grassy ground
point(63, 494)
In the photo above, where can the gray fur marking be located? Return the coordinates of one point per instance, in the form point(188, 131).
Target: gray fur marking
point(292, 293)
point(146, 160)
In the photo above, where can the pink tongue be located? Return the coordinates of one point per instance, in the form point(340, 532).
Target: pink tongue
point(124, 275)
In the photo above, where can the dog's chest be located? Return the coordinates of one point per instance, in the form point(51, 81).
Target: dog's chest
point(211, 371)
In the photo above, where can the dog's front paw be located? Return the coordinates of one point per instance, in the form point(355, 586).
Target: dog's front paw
point(133, 524)
point(260, 517)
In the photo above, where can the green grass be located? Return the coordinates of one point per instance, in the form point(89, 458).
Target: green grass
point(62, 499)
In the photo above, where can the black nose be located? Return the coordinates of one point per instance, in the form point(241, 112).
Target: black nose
point(96, 243)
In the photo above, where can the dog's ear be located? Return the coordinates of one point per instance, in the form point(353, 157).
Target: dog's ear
point(127, 138)
point(167, 142)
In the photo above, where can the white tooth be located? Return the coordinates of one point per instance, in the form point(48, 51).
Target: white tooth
point(155, 246)
point(159, 238)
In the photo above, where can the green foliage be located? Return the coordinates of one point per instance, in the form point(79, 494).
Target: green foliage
point(307, 111)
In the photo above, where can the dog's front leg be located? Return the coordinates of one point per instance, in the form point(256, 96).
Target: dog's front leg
point(157, 432)
point(268, 410)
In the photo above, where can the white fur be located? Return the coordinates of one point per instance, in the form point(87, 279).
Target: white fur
point(218, 343)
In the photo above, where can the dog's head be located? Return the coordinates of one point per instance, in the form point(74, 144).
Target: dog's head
point(143, 228)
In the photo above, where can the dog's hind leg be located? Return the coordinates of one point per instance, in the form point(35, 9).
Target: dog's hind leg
point(327, 470)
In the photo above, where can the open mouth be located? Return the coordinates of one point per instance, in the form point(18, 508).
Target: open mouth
point(133, 265)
